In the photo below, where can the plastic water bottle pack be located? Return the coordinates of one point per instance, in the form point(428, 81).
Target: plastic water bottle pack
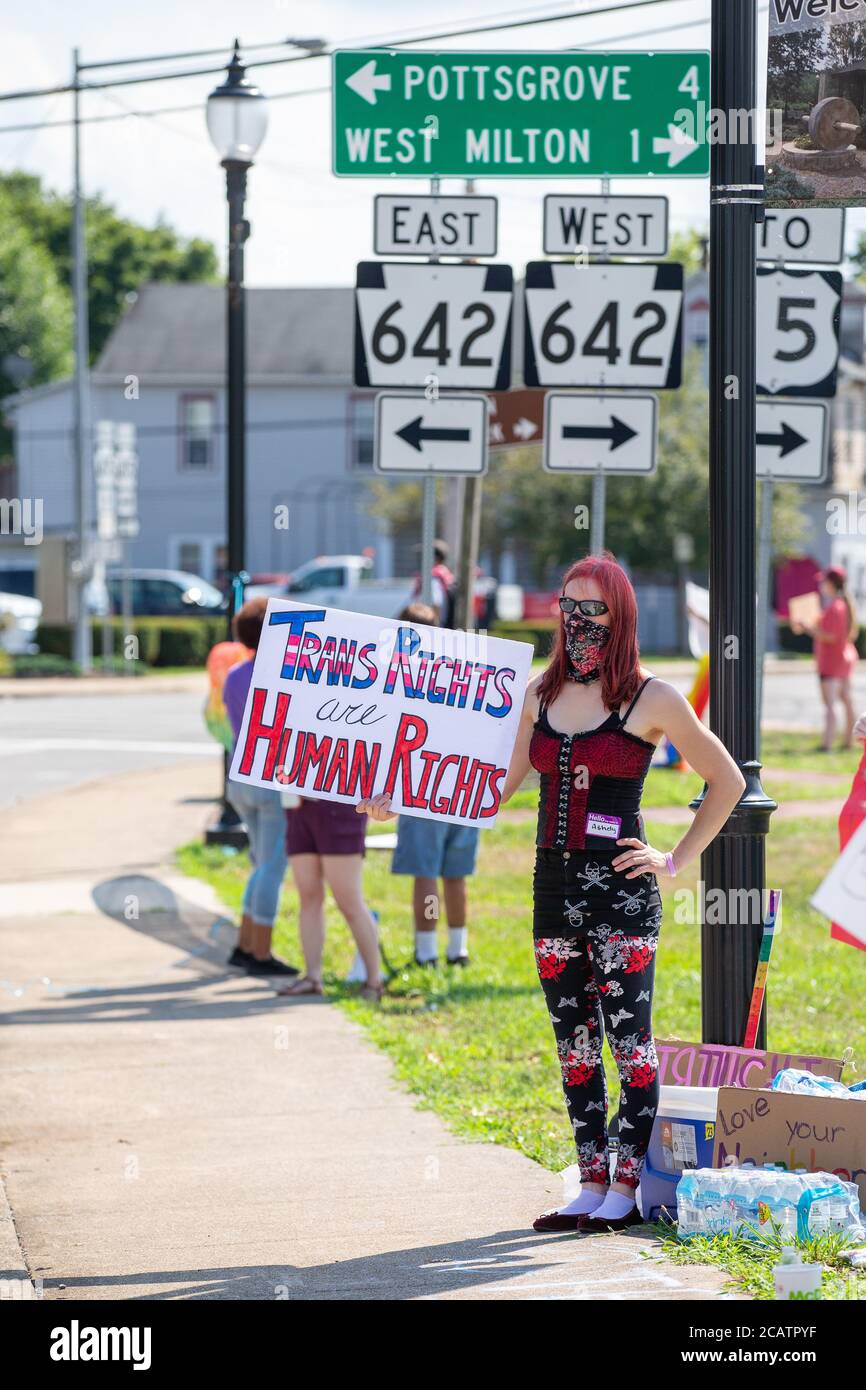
point(718, 1201)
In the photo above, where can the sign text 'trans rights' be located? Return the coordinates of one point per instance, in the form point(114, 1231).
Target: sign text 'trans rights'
point(520, 115)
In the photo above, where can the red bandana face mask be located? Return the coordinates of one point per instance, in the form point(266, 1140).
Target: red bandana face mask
point(584, 643)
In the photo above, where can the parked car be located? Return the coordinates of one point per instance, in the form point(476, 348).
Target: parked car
point(165, 593)
point(19, 619)
point(341, 581)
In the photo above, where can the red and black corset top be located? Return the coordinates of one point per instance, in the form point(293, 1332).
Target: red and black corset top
point(601, 771)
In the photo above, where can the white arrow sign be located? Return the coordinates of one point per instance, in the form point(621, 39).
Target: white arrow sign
point(677, 145)
point(792, 439)
point(615, 433)
point(417, 435)
point(365, 83)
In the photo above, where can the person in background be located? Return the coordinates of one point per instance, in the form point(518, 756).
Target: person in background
point(443, 585)
point(833, 637)
point(262, 814)
point(325, 841)
point(430, 850)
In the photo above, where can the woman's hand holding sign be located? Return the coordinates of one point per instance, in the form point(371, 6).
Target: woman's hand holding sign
point(376, 807)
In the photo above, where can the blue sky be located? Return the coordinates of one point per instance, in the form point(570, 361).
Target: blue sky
point(308, 227)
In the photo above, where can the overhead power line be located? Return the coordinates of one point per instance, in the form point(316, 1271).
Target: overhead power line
point(151, 112)
point(474, 28)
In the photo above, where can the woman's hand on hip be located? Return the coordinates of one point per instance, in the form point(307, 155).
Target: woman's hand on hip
point(639, 859)
point(860, 729)
point(376, 807)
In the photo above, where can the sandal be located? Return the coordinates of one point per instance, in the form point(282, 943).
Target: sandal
point(372, 992)
point(303, 985)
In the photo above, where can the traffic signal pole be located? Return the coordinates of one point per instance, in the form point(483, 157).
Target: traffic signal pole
point(735, 861)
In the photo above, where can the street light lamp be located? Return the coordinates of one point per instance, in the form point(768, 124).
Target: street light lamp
point(237, 118)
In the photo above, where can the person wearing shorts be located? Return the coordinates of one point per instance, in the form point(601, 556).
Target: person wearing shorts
point(430, 850)
point(325, 844)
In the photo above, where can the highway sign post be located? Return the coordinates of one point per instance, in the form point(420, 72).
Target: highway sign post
point(419, 225)
point(415, 322)
point(798, 331)
point(520, 115)
point(600, 225)
point(414, 435)
point(603, 325)
point(815, 235)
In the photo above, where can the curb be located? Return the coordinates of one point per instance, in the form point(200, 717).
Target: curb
point(15, 1282)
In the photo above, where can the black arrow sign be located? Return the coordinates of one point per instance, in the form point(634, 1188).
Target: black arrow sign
point(415, 434)
point(786, 441)
point(618, 432)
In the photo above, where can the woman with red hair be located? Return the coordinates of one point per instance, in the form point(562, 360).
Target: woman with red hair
point(591, 722)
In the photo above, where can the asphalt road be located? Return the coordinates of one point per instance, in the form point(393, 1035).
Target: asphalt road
point(50, 743)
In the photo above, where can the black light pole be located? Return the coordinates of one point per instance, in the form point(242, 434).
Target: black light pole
point(237, 119)
point(735, 860)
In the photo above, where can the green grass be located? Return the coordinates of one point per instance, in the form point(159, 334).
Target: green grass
point(750, 1262)
point(476, 1047)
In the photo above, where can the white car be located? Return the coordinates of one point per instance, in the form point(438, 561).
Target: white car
point(19, 619)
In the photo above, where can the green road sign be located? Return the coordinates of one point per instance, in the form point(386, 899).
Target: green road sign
point(521, 115)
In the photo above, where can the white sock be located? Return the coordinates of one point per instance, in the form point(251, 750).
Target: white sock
point(357, 971)
point(585, 1204)
point(425, 945)
point(615, 1205)
point(458, 939)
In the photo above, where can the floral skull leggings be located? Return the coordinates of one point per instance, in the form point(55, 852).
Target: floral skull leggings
point(596, 935)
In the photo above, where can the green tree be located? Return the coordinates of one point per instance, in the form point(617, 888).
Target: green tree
point(122, 254)
point(35, 314)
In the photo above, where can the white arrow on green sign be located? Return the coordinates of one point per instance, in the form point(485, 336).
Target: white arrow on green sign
point(520, 115)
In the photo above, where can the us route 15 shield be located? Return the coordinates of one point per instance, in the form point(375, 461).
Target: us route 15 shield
point(798, 332)
point(449, 324)
point(603, 325)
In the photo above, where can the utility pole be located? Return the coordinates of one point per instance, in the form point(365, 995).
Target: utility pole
point(736, 858)
point(469, 534)
point(83, 647)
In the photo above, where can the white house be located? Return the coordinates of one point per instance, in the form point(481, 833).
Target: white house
point(309, 433)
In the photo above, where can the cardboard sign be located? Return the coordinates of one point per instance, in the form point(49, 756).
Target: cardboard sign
point(712, 1064)
point(344, 706)
point(818, 1133)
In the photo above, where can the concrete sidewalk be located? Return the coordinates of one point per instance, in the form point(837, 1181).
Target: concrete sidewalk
point(173, 1130)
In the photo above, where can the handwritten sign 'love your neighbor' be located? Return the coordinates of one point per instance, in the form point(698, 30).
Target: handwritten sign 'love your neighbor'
point(343, 706)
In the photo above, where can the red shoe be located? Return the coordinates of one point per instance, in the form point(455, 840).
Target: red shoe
point(556, 1221)
point(592, 1225)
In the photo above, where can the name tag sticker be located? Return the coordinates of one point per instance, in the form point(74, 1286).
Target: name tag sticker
point(607, 826)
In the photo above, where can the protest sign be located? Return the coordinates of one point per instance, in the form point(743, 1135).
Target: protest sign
point(715, 1064)
point(818, 1133)
point(344, 706)
point(842, 895)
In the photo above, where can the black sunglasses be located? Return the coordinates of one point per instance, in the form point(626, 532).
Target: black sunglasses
point(589, 607)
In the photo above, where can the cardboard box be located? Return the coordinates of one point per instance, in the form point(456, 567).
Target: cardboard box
point(818, 1133)
point(713, 1064)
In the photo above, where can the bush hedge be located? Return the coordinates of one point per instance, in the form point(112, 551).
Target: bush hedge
point(161, 641)
point(539, 633)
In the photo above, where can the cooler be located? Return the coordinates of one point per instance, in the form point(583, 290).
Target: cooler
point(682, 1137)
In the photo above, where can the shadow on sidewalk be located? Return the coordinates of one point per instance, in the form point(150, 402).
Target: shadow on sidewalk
point(417, 1271)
